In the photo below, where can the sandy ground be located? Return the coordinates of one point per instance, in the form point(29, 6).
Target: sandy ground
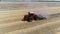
point(10, 23)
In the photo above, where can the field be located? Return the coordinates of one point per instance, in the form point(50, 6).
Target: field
point(10, 22)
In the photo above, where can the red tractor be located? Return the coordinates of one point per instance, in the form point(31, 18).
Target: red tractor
point(31, 16)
